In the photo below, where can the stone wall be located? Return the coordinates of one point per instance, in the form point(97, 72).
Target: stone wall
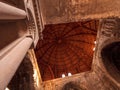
point(62, 11)
point(87, 81)
point(108, 33)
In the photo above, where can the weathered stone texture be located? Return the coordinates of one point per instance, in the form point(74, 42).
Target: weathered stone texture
point(62, 11)
point(108, 33)
point(87, 81)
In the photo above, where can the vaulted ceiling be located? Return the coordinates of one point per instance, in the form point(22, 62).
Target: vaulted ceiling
point(66, 48)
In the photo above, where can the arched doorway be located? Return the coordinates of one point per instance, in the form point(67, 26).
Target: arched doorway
point(111, 59)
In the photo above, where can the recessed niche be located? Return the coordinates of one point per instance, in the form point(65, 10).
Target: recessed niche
point(71, 86)
point(111, 59)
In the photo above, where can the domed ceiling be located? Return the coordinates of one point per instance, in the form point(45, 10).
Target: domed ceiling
point(66, 48)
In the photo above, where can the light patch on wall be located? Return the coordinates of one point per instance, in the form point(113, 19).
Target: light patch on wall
point(63, 75)
point(94, 42)
point(76, 2)
point(69, 74)
point(94, 49)
point(7, 89)
point(35, 76)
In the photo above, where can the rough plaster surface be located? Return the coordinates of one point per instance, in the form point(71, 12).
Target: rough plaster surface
point(87, 81)
point(62, 11)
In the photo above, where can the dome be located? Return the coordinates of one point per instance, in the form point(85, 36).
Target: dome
point(66, 48)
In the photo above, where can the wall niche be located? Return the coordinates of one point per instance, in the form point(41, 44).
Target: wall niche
point(111, 59)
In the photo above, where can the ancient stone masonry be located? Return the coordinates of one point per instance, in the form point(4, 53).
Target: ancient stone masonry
point(108, 33)
point(84, 81)
point(110, 27)
point(38, 15)
point(62, 11)
point(31, 26)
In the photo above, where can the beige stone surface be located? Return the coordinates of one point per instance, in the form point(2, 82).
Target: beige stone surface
point(62, 11)
point(108, 33)
point(10, 12)
point(87, 81)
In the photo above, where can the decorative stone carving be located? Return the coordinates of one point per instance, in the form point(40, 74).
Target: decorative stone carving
point(110, 27)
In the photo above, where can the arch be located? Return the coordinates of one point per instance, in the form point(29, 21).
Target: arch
point(110, 54)
point(71, 86)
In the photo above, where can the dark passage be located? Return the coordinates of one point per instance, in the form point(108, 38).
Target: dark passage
point(111, 59)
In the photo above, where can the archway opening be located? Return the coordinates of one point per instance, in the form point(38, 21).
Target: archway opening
point(111, 59)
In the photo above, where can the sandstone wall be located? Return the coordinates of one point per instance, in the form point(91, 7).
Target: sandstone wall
point(62, 11)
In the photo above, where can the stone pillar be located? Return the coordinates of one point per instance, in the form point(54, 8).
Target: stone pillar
point(11, 61)
point(10, 12)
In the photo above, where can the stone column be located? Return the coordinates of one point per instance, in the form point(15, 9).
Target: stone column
point(11, 61)
point(10, 12)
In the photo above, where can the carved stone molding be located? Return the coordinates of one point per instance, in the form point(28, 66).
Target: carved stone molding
point(110, 27)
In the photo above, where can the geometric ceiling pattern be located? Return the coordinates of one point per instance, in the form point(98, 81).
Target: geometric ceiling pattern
point(66, 48)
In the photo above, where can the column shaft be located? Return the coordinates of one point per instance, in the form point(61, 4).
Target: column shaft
point(10, 62)
point(9, 12)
